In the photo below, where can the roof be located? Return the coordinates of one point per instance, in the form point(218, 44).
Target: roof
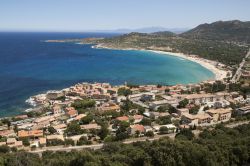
point(31, 133)
point(42, 140)
point(219, 111)
point(72, 112)
point(60, 126)
point(138, 127)
point(122, 118)
point(197, 116)
point(90, 126)
point(196, 96)
point(80, 116)
point(137, 116)
point(44, 118)
point(11, 140)
point(51, 137)
point(6, 132)
point(19, 143)
point(247, 108)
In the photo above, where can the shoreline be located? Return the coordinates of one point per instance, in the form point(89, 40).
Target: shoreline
point(219, 74)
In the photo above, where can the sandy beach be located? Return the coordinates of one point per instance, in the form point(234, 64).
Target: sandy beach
point(210, 65)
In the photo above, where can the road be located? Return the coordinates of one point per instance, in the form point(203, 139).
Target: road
point(99, 146)
point(232, 125)
point(238, 73)
point(128, 141)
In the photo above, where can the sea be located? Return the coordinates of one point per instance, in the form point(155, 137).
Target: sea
point(29, 66)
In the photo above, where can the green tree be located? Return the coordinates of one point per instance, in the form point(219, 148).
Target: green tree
point(73, 129)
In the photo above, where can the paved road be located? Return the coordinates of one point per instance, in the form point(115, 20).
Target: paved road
point(232, 125)
point(99, 146)
point(238, 73)
point(128, 141)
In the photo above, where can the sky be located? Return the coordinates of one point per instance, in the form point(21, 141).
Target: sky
point(87, 15)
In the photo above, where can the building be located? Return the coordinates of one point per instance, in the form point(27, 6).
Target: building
point(200, 98)
point(220, 115)
point(109, 107)
point(136, 128)
point(90, 126)
point(123, 118)
point(156, 104)
point(71, 112)
point(197, 120)
point(30, 134)
point(137, 118)
point(243, 110)
point(57, 109)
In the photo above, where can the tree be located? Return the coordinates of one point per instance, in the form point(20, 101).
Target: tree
point(69, 142)
point(149, 134)
point(163, 120)
point(163, 130)
point(73, 129)
point(185, 134)
point(104, 131)
point(83, 141)
point(87, 119)
point(183, 103)
point(51, 130)
point(124, 91)
point(4, 149)
point(194, 110)
point(146, 122)
point(121, 132)
point(83, 104)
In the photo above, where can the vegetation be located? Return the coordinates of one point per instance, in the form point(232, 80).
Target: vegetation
point(220, 146)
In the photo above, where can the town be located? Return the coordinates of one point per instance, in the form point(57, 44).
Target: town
point(93, 113)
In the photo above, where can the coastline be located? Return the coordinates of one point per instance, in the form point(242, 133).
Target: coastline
point(220, 74)
point(208, 64)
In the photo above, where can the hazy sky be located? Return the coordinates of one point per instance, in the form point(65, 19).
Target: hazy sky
point(81, 15)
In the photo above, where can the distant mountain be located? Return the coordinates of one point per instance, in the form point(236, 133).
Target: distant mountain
point(229, 31)
point(147, 30)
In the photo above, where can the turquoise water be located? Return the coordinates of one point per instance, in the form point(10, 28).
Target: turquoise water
point(30, 66)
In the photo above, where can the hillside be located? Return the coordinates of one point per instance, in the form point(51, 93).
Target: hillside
point(226, 42)
point(230, 31)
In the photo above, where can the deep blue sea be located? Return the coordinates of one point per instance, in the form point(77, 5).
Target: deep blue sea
point(29, 66)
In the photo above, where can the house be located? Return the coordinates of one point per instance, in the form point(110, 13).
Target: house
point(200, 98)
point(54, 137)
point(197, 120)
point(182, 111)
point(71, 112)
point(137, 118)
point(136, 128)
point(30, 134)
point(220, 115)
point(42, 141)
point(42, 122)
point(80, 116)
point(156, 104)
point(148, 128)
point(109, 107)
point(60, 127)
point(7, 133)
point(171, 128)
point(243, 110)
point(57, 109)
point(11, 141)
point(123, 118)
point(90, 126)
